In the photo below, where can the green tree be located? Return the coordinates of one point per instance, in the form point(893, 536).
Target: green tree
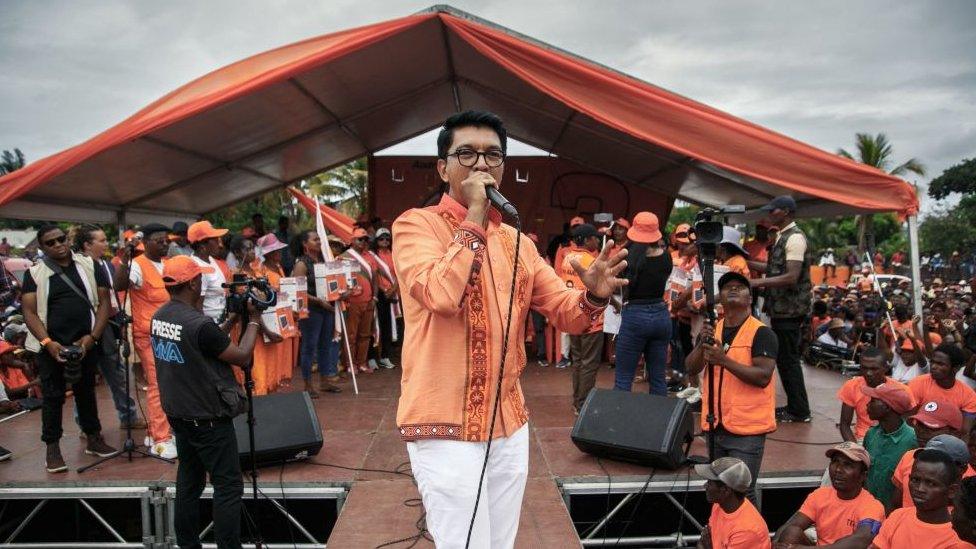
point(11, 161)
point(875, 150)
point(950, 229)
point(346, 185)
point(960, 178)
point(681, 213)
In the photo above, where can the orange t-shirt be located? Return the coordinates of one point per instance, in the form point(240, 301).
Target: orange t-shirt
point(363, 278)
point(744, 528)
point(904, 468)
point(903, 530)
point(851, 395)
point(837, 518)
point(925, 389)
point(586, 258)
point(13, 378)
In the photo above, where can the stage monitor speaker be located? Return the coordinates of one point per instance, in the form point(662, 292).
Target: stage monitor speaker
point(635, 427)
point(285, 429)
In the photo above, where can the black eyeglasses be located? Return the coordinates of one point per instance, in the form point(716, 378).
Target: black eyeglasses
point(56, 240)
point(469, 157)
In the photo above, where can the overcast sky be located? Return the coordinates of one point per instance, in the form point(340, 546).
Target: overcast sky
point(816, 71)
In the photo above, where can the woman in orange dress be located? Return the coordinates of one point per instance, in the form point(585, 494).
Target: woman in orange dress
point(269, 248)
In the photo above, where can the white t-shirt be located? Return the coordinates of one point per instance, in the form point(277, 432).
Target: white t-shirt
point(211, 290)
point(827, 259)
point(3, 392)
point(828, 339)
point(796, 245)
point(903, 373)
point(965, 379)
point(135, 272)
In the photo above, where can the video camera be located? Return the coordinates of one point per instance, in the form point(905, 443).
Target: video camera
point(243, 289)
point(708, 232)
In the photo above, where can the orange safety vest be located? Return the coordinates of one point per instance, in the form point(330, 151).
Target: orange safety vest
point(147, 299)
point(740, 408)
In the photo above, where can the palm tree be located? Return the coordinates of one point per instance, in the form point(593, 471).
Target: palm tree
point(875, 150)
point(11, 161)
point(347, 184)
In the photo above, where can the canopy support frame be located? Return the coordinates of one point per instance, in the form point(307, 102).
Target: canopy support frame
point(328, 112)
point(913, 253)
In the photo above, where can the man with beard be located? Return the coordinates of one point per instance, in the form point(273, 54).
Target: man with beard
point(874, 370)
point(735, 523)
point(844, 513)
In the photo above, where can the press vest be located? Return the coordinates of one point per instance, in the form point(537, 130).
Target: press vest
point(789, 301)
point(191, 385)
point(740, 408)
point(147, 299)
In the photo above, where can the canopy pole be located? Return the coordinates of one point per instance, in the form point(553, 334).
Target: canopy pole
point(913, 252)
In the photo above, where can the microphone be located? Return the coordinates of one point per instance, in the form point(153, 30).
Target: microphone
point(500, 201)
point(134, 241)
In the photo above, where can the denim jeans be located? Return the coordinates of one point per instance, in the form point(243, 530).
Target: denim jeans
point(207, 448)
point(317, 342)
point(644, 329)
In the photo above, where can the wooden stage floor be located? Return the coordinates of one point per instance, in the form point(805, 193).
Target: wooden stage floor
point(360, 433)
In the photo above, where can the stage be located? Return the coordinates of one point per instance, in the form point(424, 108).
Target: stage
point(360, 433)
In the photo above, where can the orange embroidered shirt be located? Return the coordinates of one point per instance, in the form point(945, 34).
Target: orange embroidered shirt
point(455, 278)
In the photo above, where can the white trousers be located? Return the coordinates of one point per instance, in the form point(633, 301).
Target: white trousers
point(447, 474)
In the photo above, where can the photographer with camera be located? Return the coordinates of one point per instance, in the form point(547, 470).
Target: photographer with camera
point(66, 308)
point(201, 397)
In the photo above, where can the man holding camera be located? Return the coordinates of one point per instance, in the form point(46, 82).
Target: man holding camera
point(201, 397)
point(66, 307)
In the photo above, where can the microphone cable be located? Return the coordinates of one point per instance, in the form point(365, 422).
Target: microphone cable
point(501, 371)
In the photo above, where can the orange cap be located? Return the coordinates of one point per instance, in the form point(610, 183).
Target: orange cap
point(895, 397)
point(202, 230)
point(576, 221)
point(646, 228)
point(182, 268)
point(359, 233)
point(939, 413)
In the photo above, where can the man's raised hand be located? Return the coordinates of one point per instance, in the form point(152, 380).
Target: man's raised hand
point(601, 277)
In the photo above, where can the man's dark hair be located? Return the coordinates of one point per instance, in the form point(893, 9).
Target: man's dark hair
point(478, 119)
point(901, 311)
point(819, 307)
point(82, 235)
point(873, 352)
point(938, 456)
point(298, 242)
point(956, 357)
point(45, 228)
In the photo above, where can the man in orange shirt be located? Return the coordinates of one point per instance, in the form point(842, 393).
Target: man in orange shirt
point(142, 277)
point(455, 262)
point(585, 349)
point(934, 418)
point(561, 266)
point(360, 305)
point(844, 512)
point(941, 383)
point(735, 523)
point(933, 484)
point(758, 246)
point(874, 370)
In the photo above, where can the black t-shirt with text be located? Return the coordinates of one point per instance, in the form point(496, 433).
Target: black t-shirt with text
point(69, 316)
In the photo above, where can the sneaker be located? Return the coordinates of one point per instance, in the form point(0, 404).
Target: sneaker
point(97, 447)
point(787, 417)
point(5, 454)
point(694, 396)
point(780, 410)
point(372, 364)
point(387, 363)
point(165, 449)
point(562, 363)
point(542, 362)
point(147, 442)
point(688, 392)
point(55, 463)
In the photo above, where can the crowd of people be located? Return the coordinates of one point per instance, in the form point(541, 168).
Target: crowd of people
point(68, 310)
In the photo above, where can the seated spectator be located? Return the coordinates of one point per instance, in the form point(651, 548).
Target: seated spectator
point(933, 418)
point(941, 383)
point(964, 511)
point(844, 513)
point(874, 370)
point(835, 335)
point(909, 362)
point(735, 522)
point(15, 374)
point(887, 441)
point(820, 318)
point(933, 485)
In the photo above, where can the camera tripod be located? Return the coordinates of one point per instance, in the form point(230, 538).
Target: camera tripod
point(129, 446)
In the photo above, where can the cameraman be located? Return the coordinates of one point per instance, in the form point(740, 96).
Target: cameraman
point(201, 397)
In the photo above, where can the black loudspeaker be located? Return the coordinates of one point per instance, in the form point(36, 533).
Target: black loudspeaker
point(639, 428)
point(285, 429)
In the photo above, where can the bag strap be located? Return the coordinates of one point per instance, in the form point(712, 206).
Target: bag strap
point(57, 269)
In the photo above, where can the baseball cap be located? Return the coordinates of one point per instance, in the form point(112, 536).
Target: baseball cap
point(936, 414)
point(646, 228)
point(952, 446)
point(180, 227)
point(896, 398)
point(729, 277)
point(359, 233)
point(152, 228)
point(182, 268)
point(728, 470)
point(584, 230)
point(333, 239)
point(852, 450)
point(576, 221)
point(784, 202)
point(381, 232)
point(202, 230)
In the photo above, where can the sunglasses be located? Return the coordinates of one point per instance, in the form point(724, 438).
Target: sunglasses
point(56, 240)
point(362, 238)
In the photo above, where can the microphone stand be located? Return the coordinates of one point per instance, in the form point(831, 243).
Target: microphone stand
point(122, 346)
point(249, 392)
point(708, 280)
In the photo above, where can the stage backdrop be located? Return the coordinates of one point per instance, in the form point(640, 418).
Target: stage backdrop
point(547, 191)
